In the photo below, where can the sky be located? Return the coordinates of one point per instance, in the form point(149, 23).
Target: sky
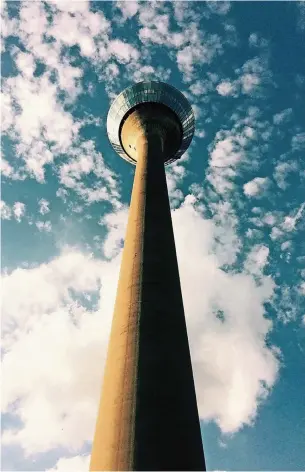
point(238, 208)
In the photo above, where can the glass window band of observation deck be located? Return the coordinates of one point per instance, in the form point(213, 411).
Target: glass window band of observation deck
point(153, 92)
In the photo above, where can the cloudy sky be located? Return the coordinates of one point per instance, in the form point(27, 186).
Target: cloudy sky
point(238, 208)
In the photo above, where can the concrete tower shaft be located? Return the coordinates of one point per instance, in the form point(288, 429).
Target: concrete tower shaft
point(148, 418)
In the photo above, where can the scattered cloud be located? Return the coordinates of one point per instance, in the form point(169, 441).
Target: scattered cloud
point(43, 206)
point(257, 41)
point(286, 304)
point(123, 52)
point(257, 259)
point(6, 212)
point(228, 153)
point(57, 296)
point(300, 16)
point(52, 298)
point(298, 142)
point(199, 51)
point(281, 172)
point(249, 82)
point(256, 187)
point(45, 226)
point(19, 210)
point(128, 9)
point(220, 8)
point(302, 288)
point(116, 224)
point(241, 317)
point(83, 161)
point(282, 117)
point(225, 88)
point(290, 222)
point(276, 233)
point(224, 154)
point(175, 174)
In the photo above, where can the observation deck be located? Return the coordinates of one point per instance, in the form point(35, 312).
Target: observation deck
point(151, 106)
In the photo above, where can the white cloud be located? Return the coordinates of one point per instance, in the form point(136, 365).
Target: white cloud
point(71, 172)
point(8, 25)
point(72, 464)
point(225, 88)
point(220, 7)
point(175, 174)
point(249, 82)
point(128, 9)
point(35, 114)
point(282, 117)
point(281, 172)
point(38, 304)
point(226, 244)
point(300, 16)
point(6, 168)
point(41, 302)
point(199, 88)
point(157, 31)
point(123, 51)
point(257, 259)
point(197, 53)
point(111, 71)
point(6, 212)
point(286, 303)
point(41, 112)
point(43, 206)
point(40, 119)
point(228, 152)
point(249, 132)
point(298, 142)
point(66, 28)
point(286, 245)
point(199, 133)
point(269, 219)
point(257, 41)
point(254, 234)
point(62, 193)
point(44, 226)
point(231, 391)
point(150, 73)
point(290, 222)
point(85, 160)
point(84, 28)
point(253, 75)
point(116, 225)
point(256, 187)
point(276, 233)
point(26, 64)
point(19, 210)
point(302, 288)
point(224, 154)
point(201, 49)
point(65, 5)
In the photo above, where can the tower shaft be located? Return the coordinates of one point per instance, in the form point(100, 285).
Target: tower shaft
point(148, 418)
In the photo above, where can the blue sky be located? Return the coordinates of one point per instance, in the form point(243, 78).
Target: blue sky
point(238, 207)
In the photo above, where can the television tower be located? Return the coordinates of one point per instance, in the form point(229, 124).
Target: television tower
point(148, 417)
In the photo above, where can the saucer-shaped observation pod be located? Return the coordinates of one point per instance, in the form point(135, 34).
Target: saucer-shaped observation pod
point(155, 106)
